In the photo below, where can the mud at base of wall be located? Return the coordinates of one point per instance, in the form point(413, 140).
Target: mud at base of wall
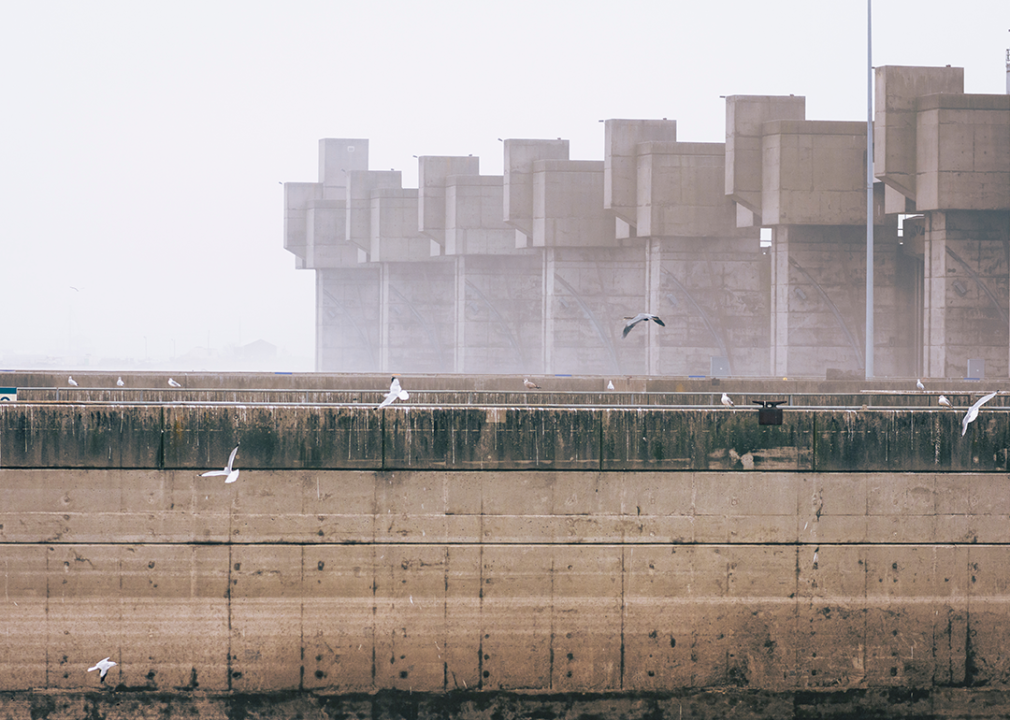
point(115, 703)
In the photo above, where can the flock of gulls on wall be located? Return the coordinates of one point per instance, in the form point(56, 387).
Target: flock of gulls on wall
point(396, 392)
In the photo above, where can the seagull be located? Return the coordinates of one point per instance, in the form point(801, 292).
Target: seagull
point(119, 382)
point(395, 391)
point(610, 385)
point(71, 381)
point(973, 412)
point(104, 666)
point(232, 474)
point(944, 401)
point(173, 383)
point(918, 384)
point(726, 400)
point(530, 385)
point(632, 321)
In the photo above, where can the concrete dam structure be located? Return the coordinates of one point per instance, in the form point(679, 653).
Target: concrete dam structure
point(465, 554)
point(752, 250)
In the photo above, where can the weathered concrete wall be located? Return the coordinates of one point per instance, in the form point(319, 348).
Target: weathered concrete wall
point(552, 582)
point(598, 561)
point(299, 437)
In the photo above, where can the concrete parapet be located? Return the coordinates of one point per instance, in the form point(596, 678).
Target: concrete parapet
point(745, 119)
point(897, 92)
point(473, 218)
point(568, 205)
point(433, 173)
point(963, 152)
point(199, 438)
point(813, 173)
point(620, 162)
point(520, 155)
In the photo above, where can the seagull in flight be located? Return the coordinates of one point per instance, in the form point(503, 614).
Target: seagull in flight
point(119, 382)
point(71, 381)
point(973, 412)
point(919, 385)
point(103, 666)
point(228, 471)
point(173, 383)
point(633, 321)
point(530, 385)
point(395, 391)
point(944, 401)
point(727, 400)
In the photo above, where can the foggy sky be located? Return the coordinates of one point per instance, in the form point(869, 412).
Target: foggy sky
point(143, 145)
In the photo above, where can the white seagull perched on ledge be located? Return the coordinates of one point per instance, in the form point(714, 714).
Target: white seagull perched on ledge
point(103, 666)
point(633, 321)
point(173, 383)
point(232, 474)
point(973, 412)
point(727, 400)
point(71, 381)
point(395, 391)
point(944, 401)
point(919, 385)
point(530, 385)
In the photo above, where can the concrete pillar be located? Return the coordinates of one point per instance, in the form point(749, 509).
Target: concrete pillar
point(432, 174)
point(394, 236)
point(348, 320)
point(518, 182)
point(745, 118)
point(360, 184)
point(708, 280)
point(897, 90)
point(620, 161)
point(966, 292)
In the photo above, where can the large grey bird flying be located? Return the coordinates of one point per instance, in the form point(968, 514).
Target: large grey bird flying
point(633, 321)
point(973, 412)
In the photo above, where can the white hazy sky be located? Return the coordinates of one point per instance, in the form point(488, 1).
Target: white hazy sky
point(143, 144)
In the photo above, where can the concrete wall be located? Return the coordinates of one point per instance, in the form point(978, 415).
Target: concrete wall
point(845, 562)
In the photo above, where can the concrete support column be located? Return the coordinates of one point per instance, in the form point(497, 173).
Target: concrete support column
point(967, 274)
point(349, 319)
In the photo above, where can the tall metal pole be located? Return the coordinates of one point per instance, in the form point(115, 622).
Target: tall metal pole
point(869, 189)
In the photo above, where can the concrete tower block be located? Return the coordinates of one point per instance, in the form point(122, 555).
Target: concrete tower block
point(963, 152)
point(394, 233)
point(894, 127)
point(339, 156)
point(432, 173)
point(620, 163)
point(297, 197)
point(325, 224)
point(813, 173)
point(680, 190)
point(745, 117)
point(518, 186)
point(360, 184)
point(568, 205)
point(473, 221)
